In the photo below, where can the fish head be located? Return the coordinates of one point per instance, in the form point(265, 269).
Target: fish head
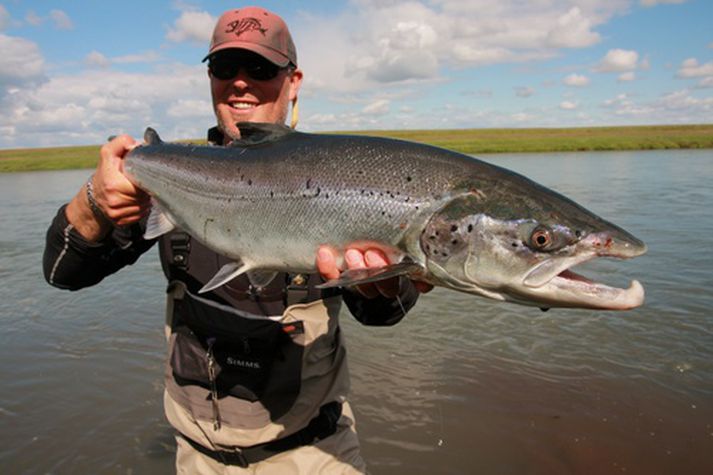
point(525, 255)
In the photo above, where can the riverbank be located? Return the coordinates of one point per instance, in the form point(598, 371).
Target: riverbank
point(471, 141)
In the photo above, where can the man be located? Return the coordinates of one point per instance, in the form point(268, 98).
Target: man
point(256, 379)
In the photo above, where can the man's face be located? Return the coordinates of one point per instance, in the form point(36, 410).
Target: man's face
point(251, 94)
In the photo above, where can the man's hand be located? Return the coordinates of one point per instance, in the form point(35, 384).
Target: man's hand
point(356, 259)
point(117, 198)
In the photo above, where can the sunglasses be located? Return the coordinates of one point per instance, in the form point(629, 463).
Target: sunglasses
point(226, 66)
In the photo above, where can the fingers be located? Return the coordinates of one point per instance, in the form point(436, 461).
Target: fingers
point(327, 266)
point(355, 259)
point(121, 201)
point(327, 263)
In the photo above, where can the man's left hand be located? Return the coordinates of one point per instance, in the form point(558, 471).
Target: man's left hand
point(357, 259)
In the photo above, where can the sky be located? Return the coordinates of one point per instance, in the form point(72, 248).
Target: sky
point(76, 72)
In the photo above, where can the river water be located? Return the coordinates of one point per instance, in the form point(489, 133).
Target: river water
point(461, 386)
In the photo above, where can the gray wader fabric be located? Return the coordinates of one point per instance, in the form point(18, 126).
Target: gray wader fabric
point(244, 423)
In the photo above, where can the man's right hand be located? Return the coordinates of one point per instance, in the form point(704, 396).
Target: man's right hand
point(118, 199)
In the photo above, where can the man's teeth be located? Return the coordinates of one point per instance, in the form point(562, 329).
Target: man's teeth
point(242, 105)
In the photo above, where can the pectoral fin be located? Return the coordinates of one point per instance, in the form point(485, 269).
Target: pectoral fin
point(159, 222)
point(226, 273)
point(352, 277)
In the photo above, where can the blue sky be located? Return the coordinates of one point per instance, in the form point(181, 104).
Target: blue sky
point(75, 72)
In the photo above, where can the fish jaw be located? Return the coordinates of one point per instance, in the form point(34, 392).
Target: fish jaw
point(569, 289)
point(553, 281)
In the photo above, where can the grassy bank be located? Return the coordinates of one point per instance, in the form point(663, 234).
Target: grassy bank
point(473, 141)
point(476, 141)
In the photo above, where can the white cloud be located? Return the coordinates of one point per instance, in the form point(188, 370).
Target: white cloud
point(626, 77)
point(568, 105)
point(61, 20)
point(576, 80)
point(378, 107)
point(20, 62)
point(674, 108)
point(33, 18)
point(524, 91)
point(690, 68)
point(191, 108)
point(96, 60)
point(705, 83)
point(683, 101)
point(651, 3)
point(192, 26)
point(572, 30)
point(422, 39)
point(89, 106)
point(618, 60)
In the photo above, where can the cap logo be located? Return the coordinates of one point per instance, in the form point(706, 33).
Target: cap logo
point(245, 24)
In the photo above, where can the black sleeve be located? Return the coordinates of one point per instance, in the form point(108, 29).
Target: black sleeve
point(382, 311)
point(71, 262)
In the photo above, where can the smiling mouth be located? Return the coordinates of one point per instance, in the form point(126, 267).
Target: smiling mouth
point(242, 106)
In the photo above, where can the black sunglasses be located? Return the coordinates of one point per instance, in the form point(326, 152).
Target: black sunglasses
point(226, 66)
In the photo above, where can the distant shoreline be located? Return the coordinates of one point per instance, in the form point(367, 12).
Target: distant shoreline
point(470, 141)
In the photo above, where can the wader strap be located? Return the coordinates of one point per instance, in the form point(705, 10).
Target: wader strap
point(180, 249)
point(297, 289)
point(321, 427)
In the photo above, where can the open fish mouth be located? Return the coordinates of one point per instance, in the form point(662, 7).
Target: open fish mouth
point(579, 291)
point(556, 283)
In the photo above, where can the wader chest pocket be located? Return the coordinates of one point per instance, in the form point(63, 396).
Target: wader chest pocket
point(225, 353)
point(241, 365)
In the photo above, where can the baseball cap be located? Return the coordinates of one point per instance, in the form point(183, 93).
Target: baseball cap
point(254, 29)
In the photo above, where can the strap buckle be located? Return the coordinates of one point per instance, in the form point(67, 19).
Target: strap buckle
point(236, 457)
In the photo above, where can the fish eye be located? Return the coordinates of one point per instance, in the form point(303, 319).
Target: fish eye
point(541, 238)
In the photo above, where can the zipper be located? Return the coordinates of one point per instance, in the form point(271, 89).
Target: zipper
point(213, 385)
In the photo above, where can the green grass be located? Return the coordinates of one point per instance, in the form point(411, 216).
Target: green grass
point(473, 141)
point(55, 158)
point(560, 140)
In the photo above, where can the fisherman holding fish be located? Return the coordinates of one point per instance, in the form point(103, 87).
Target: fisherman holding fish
point(256, 378)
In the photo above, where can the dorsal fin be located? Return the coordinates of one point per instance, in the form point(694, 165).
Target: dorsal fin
point(151, 137)
point(254, 133)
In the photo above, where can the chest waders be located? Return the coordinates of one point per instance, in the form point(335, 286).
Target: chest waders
point(262, 368)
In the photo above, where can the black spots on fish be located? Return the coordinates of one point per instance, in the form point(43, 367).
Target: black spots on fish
point(514, 244)
point(408, 178)
point(272, 194)
point(250, 182)
point(319, 190)
point(578, 233)
point(309, 183)
point(454, 228)
point(454, 242)
point(470, 228)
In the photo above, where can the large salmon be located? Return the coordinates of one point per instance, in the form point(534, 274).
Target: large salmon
point(270, 200)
